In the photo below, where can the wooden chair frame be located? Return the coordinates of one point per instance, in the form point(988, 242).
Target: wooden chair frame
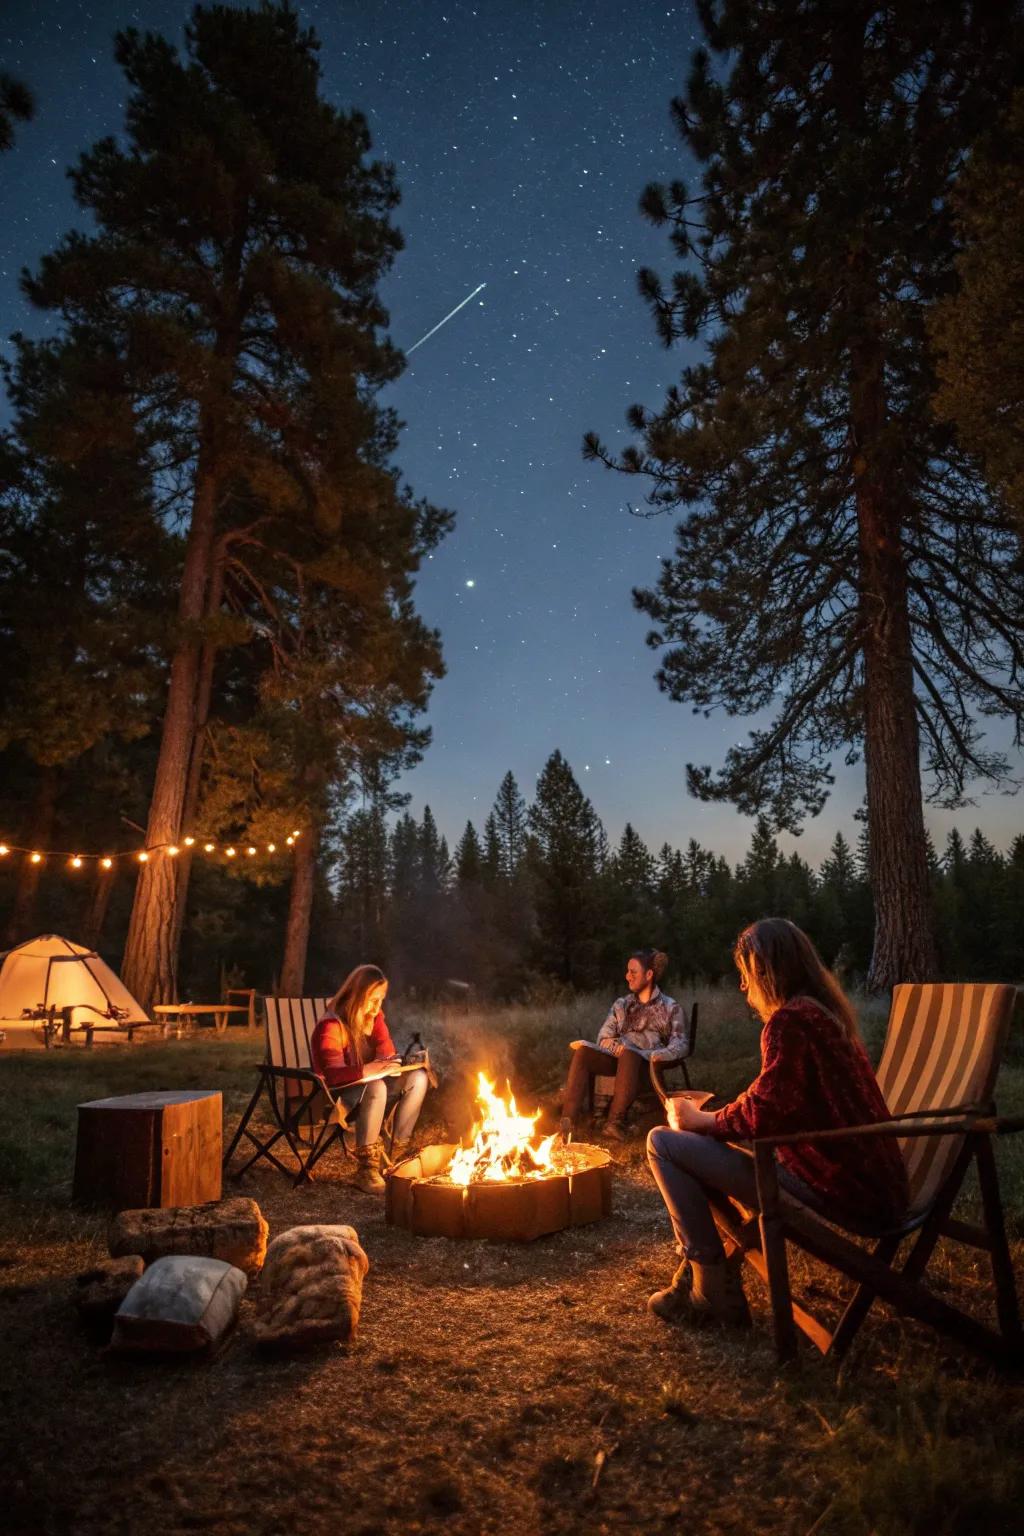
point(762, 1238)
point(306, 1112)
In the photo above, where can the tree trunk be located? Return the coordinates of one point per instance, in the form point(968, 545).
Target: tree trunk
point(22, 919)
point(204, 693)
point(96, 913)
point(149, 968)
point(300, 912)
point(904, 946)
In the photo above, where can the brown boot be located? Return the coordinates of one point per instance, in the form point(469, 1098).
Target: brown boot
point(400, 1150)
point(673, 1303)
point(717, 1292)
point(367, 1175)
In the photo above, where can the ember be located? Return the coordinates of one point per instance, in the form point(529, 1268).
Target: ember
point(503, 1145)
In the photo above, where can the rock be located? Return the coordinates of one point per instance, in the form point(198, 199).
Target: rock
point(100, 1291)
point(311, 1288)
point(231, 1230)
point(182, 1304)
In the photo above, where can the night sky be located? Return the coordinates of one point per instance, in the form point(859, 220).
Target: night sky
point(523, 132)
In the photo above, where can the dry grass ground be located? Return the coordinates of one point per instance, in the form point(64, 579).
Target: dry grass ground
point(487, 1379)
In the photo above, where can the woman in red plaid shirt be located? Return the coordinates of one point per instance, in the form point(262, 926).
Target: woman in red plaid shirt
point(815, 1075)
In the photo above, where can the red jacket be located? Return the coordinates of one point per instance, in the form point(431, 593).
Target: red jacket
point(339, 1065)
point(813, 1078)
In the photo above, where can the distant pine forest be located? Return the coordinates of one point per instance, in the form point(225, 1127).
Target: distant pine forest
point(538, 899)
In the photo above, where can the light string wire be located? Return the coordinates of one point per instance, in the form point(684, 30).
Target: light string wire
point(76, 860)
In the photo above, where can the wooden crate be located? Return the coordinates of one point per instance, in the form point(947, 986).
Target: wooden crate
point(149, 1149)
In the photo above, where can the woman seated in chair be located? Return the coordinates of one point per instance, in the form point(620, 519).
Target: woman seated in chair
point(815, 1075)
point(646, 1019)
point(353, 1051)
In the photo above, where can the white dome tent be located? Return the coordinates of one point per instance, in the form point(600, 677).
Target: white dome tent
point(51, 973)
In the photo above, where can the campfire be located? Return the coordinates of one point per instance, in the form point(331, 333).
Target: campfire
point(503, 1143)
point(505, 1183)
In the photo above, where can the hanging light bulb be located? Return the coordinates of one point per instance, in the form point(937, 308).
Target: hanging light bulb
point(189, 841)
point(296, 834)
point(143, 857)
point(106, 863)
point(37, 858)
point(230, 852)
point(271, 848)
point(75, 862)
point(289, 841)
point(250, 852)
point(4, 850)
point(173, 851)
point(208, 847)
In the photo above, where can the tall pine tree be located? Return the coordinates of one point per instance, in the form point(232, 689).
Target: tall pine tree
point(839, 563)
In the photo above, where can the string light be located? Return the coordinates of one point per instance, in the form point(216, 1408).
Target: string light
point(74, 860)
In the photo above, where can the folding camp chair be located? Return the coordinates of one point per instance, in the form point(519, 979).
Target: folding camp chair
point(938, 1071)
point(304, 1111)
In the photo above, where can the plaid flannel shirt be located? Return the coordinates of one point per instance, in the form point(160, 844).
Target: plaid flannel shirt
point(657, 1026)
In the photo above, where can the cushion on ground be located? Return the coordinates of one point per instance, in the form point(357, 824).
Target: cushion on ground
point(232, 1230)
point(182, 1303)
point(311, 1287)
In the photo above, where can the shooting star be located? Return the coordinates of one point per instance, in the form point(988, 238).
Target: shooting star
point(447, 317)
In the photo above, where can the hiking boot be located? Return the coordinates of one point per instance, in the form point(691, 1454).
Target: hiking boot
point(615, 1130)
point(400, 1150)
point(367, 1175)
point(673, 1303)
point(717, 1292)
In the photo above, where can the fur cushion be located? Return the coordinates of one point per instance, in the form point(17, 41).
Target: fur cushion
point(311, 1287)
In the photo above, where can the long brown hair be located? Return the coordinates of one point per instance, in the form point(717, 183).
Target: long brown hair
point(781, 959)
point(347, 1002)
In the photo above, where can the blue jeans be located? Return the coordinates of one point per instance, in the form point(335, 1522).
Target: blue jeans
point(684, 1164)
point(376, 1096)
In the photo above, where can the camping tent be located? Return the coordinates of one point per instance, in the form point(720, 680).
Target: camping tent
point(53, 972)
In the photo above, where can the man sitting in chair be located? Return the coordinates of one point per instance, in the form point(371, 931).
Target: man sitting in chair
point(353, 1051)
point(644, 1025)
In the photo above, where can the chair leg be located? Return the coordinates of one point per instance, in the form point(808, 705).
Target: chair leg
point(246, 1117)
point(773, 1246)
point(861, 1302)
point(1007, 1309)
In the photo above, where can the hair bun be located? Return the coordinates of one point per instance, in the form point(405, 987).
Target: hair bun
point(659, 964)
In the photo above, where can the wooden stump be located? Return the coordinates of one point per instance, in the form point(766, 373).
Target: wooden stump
point(149, 1149)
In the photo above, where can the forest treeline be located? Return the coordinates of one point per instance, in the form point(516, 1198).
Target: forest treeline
point(538, 897)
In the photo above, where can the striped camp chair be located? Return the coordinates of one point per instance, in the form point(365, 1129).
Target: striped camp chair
point(938, 1072)
point(303, 1111)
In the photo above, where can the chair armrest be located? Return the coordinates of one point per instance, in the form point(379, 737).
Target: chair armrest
point(969, 1117)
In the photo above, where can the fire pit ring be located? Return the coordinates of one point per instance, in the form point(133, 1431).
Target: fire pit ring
point(515, 1210)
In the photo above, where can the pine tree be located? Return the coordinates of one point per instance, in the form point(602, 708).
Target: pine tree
point(567, 861)
point(17, 105)
point(510, 823)
point(469, 863)
point(839, 561)
point(978, 331)
point(240, 234)
point(491, 856)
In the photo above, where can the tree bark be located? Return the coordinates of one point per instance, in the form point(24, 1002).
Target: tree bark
point(149, 956)
point(204, 693)
point(300, 912)
point(22, 918)
point(904, 946)
point(99, 902)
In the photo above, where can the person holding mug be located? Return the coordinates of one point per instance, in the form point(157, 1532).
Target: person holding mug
point(815, 1075)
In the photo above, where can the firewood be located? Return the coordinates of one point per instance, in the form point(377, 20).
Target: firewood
point(232, 1230)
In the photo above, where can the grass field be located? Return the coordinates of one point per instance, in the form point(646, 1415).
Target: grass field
point(487, 1378)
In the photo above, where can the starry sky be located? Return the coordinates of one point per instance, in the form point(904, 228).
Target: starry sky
point(523, 132)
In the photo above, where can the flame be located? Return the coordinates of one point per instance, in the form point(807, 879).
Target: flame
point(503, 1146)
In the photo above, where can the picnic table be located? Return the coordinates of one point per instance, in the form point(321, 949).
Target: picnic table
point(185, 1012)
